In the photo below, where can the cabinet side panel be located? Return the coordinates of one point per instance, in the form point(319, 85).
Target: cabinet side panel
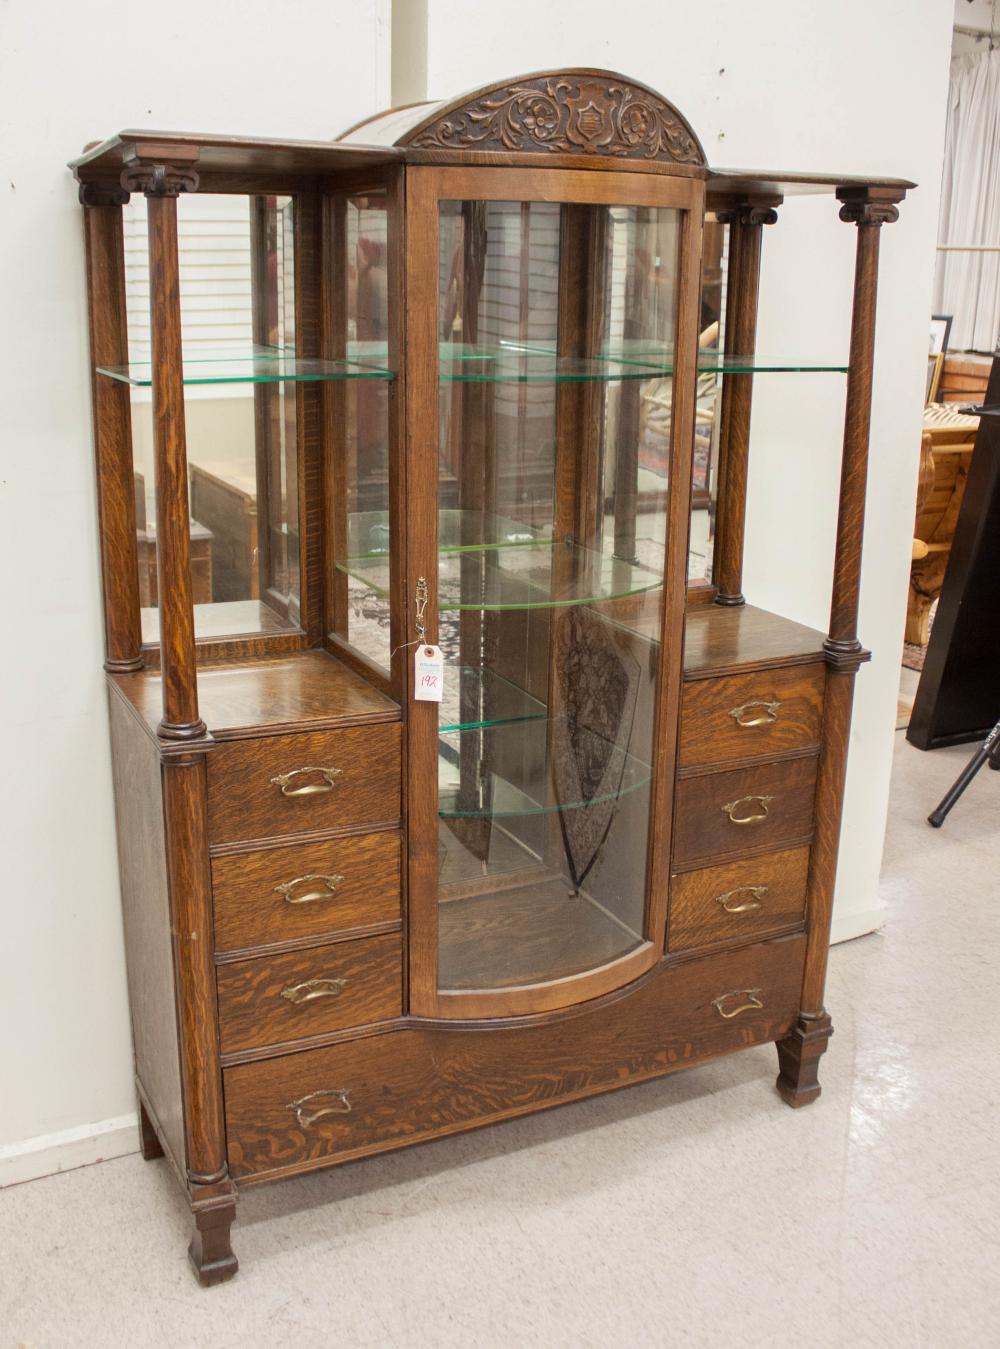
point(146, 912)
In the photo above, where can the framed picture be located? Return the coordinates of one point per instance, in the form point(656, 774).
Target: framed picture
point(940, 332)
point(934, 364)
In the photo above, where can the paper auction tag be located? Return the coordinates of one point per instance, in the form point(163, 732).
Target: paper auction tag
point(428, 674)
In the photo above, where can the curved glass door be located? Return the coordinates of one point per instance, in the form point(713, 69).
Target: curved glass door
point(555, 338)
point(548, 438)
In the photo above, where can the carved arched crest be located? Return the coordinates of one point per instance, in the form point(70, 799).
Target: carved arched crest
point(574, 112)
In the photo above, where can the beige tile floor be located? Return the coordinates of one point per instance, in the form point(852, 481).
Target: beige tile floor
point(697, 1210)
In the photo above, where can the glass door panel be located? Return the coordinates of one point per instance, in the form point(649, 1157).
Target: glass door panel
point(553, 485)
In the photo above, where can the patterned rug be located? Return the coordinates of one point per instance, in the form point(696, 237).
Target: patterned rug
point(914, 656)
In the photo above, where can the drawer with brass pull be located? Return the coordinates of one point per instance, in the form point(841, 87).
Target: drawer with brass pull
point(297, 784)
point(274, 999)
point(295, 1111)
point(744, 809)
point(309, 890)
point(750, 898)
point(751, 716)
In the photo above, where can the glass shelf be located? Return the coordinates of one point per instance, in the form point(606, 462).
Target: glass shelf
point(512, 362)
point(475, 698)
point(251, 365)
point(529, 574)
point(522, 769)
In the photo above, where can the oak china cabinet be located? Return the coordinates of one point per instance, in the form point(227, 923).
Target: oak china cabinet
point(455, 776)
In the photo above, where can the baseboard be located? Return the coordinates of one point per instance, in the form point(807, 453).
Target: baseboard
point(50, 1153)
point(857, 923)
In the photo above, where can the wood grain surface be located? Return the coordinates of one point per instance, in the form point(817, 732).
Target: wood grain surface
point(711, 734)
point(703, 828)
point(406, 1086)
point(253, 1012)
point(760, 895)
point(720, 640)
point(244, 803)
point(302, 690)
point(250, 911)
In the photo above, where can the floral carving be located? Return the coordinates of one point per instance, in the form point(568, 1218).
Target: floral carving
point(566, 114)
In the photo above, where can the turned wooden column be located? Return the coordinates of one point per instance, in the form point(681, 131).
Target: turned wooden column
point(161, 185)
point(746, 221)
point(112, 424)
point(799, 1053)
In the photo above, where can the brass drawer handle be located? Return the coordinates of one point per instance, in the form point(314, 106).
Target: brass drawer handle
point(311, 989)
point(746, 906)
point(328, 883)
point(751, 1001)
point(340, 1104)
point(329, 776)
point(765, 718)
point(756, 818)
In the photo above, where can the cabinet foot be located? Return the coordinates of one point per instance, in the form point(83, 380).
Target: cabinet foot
point(149, 1142)
point(798, 1059)
point(210, 1252)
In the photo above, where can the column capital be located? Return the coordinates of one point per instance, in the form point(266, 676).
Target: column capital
point(159, 180)
point(747, 213)
point(103, 193)
point(870, 205)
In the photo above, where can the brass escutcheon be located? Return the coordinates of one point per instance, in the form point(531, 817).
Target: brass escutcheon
point(733, 806)
point(329, 884)
point(747, 906)
point(329, 775)
point(340, 1104)
point(311, 989)
point(751, 1001)
point(766, 718)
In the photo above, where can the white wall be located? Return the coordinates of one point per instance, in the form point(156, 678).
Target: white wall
point(72, 74)
point(858, 86)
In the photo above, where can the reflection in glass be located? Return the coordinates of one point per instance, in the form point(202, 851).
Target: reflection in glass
point(238, 324)
point(361, 488)
point(552, 505)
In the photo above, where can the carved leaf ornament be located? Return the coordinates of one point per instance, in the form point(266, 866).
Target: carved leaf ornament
point(567, 116)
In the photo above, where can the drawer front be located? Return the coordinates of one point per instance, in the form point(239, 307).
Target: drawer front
point(278, 998)
point(749, 898)
point(761, 807)
point(751, 716)
point(304, 1110)
point(259, 789)
point(284, 894)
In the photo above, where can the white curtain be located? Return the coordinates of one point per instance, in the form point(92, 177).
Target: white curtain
point(967, 285)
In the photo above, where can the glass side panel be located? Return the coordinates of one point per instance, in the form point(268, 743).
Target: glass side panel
point(360, 483)
point(238, 334)
point(552, 504)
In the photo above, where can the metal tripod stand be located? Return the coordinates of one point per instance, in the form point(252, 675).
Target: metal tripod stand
point(989, 749)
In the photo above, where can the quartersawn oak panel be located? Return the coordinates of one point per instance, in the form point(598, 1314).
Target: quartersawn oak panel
point(252, 1011)
point(149, 950)
point(703, 829)
point(719, 639)
point(409, 1085)
point(249, 911)
point(710, 734)
point(269, 695)
point(698, 919)
point(244, 803)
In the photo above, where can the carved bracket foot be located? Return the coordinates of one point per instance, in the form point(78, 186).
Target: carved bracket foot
point(149, 1143)
point(210, 1252)
point(798, 1059)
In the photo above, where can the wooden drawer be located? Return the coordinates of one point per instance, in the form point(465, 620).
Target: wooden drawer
point(342, 884)
point(304, 1110)
point(748, 808)
point(245, 802)
point(750, 898)
point(273, 999)
point(751, 716)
